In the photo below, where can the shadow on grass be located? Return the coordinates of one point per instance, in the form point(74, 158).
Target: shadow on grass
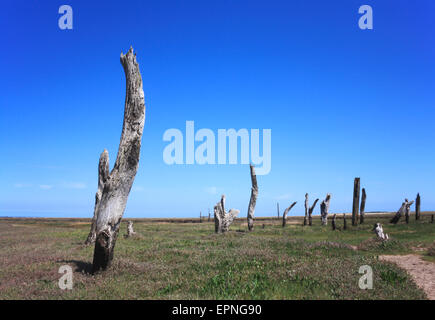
point(80, 266)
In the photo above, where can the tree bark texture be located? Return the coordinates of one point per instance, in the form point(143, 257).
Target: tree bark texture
point(334, 226)
point(116, 187)
point(306, 209)
point(286, 211)
point(324, 208)
point(223, 219)
point(310, 213)
point(363, 206)
point(355, 204)
point(253, 199)
point(130, 230)
point(404, 209)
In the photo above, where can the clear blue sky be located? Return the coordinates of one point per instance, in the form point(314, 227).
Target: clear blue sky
point(341, 102)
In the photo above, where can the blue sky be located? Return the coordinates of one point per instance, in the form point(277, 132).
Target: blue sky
point(341, 102)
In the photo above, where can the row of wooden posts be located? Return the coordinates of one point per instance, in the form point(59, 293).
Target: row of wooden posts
point(358, 209)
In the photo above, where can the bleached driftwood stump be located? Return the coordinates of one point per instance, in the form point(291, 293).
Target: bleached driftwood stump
point(306, 209)
point(324, 208)
point(130, 230)
point(379, 231)
point(114, 188)
point(404, 209)
point(286, 211)
point(223, 219)
point(253, 199)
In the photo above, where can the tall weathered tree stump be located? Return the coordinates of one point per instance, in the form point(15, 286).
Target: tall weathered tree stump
point(253, 199)
point(363, 206)
point(417, 207)
point(286, 211)
point(306, 205)
point(114, 188)
point(404, 209)
point(310, 213)
point(223, 219)
point(355, 204)
point(324, 208)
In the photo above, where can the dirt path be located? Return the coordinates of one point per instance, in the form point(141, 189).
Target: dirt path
point(422, 272)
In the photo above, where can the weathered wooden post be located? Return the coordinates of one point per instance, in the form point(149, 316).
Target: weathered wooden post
point(431, 219)
point(355, 205)
point(110, 206)
point(253, 199)
point(130, 231)
point(284, 215)
point(324, 208)
point(209, 215)
point(306, 209)
point(404, 209)
point(333, 222)
point(344, 222)
point(363, 206)
point(200, 217)
point(310, 212)
point(417, 207)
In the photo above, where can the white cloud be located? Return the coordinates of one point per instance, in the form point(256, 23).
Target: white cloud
point(75, 185)
point(45, 186)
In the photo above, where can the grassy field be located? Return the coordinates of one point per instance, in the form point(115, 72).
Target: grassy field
point(189, 261)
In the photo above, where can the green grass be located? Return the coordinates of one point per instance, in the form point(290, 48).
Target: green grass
point(190, 261)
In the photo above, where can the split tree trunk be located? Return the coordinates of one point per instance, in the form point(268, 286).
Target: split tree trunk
point(223, 219)
point(103, 174)
point(363, 206)
point(253, 200)
point(306, 209)
point(286, 211)
point(310, 212)
point(404, 209)
point(417, 207)
point(116, 188)
point(324, 208)
point(355, 204)
point(130, 230)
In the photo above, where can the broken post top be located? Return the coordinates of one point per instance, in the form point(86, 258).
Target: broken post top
point(134, 116)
